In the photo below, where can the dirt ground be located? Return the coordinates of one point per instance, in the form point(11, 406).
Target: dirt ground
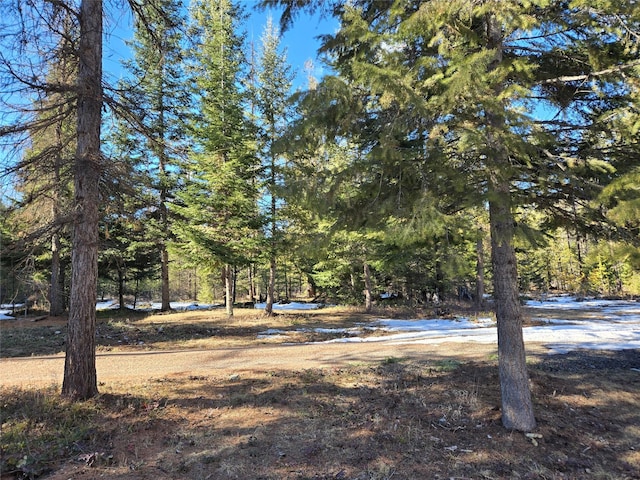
point(349, 412)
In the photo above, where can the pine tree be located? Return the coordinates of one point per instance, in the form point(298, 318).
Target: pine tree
point(467, 80)
point(270, 95)
point(156, 99)
point(218, 201)
point(32, 36)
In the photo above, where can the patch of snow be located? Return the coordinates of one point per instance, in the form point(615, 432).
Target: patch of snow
point(273, 333)
point(291, 306)
point(107, 305)
point(155, 306)
point(4, 315)
point(11, 306)
point(615, 326)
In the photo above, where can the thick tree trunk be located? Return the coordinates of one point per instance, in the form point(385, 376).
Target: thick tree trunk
point(80, 379)
point(517, 407)
point(368, 302)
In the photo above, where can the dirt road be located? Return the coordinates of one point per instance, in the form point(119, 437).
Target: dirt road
point(114, 366)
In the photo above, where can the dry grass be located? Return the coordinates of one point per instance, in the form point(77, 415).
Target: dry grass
point(396, 419)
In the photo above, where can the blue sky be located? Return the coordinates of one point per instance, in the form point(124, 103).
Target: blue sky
point(300, 41)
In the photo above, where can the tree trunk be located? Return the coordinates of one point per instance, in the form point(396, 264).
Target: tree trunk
point(517, 407)
point(368, 303)
point(252, 287)
point(480, 270)
point(80, 379)
point(56, 289)
point(271, 287)
point(121, 290)
point(228, 288)
point(164, 274)
point(311, 291)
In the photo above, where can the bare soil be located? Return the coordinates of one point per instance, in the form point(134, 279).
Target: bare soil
point(247, 410)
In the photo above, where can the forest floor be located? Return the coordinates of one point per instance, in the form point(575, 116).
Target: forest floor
point(194, 395)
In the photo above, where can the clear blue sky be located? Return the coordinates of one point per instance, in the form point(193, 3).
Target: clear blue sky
point(300, 40)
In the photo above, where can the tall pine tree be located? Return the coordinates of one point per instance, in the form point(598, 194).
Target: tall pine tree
point(218, 201)
point(156, 99)
point(270, 88)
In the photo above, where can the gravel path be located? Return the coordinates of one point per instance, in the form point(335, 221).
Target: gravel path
point(114, 366)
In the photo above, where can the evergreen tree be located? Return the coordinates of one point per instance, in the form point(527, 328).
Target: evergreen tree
point(30, 34)
point(217, 203)
point(270, 95)
point(156, 100)
point(467, 80)
point(44, 174)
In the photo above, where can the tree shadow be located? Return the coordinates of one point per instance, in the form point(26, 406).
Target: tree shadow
point(399, 418)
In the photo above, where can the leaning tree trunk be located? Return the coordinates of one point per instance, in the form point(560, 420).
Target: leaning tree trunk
point(80, 379)
point(517, 407)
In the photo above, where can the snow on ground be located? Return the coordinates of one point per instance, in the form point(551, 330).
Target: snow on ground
point(613, 325)
point(609, 325)
point(291, 306)
point(150, 307)
point(7, 310)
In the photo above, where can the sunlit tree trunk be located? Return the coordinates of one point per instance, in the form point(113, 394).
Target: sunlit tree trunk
point(228, 288)
point(80, 379)
point(368, 302)
point(517, 407)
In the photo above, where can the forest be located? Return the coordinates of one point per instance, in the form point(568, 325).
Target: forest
point(220, 178)
point(456, 149)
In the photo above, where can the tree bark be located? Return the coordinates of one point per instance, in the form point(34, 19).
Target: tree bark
point(368, 303)
point(80, 379)
point(271, 287)
point(480, 270)
point(517, 407)
point(228, 287)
